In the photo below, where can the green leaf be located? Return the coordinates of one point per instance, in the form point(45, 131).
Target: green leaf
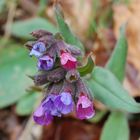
point(107, 89)
point(26, 105)
point(15, 65)
point(117, 62)
point(116, 127)
point(2, 5)
point(42, 7)
point(22, 29)
point(98, 117)
point(87, 68)
point(66, 32)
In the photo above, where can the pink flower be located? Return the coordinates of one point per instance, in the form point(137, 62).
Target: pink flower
point(68, 61)
point(84, 108)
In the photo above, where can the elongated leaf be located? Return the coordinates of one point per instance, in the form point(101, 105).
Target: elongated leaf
point(116, 127)
point(87, 68)
point(107, 89)
point(22, 29)
point(26, 105)
point(116, 63)
point(15, 65)
point(66, 32)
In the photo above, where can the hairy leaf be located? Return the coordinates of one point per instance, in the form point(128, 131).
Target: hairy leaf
point(26, 105)
point(116, 127)
point(107, 89)
point(15, 65)
point(116, 63)
point(66, 32)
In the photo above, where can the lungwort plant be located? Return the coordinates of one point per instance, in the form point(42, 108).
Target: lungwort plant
point(69, 85)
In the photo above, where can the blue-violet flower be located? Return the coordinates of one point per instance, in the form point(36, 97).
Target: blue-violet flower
point(38, 49)
point(42, 117)
point(64, 103)
point(45, 63)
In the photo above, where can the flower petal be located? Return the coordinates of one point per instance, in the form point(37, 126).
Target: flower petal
point(45, 63)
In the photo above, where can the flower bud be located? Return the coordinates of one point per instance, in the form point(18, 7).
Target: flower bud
point(72, 75)
point(74, 51)
point(40, 33)
point(56, 75)
point(47, 40)
point(40, 79)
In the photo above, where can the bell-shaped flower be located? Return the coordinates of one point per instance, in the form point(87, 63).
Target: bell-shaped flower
point(64, 103)
point(45, 63)
point(68, 61)
point(84, 108)
point(41, 116)
point(38, 49)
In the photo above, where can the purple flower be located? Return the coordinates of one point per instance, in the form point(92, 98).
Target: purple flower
point(38, 49)
point(84, 108)
point(45, 63)
point(58, 104)
point(42, 117)
point(64, 103)
point(49, 105)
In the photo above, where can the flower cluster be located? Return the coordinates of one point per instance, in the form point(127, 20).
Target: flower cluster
point(64, 89)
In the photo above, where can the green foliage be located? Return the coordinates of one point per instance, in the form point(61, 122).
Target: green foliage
point(116, 65)
point(116, 127)
point(23, 29)
point(99, 116)
point(67, 34)
point(117, 62)
point(87, 69)
point(2, 5)
point(14, 66)
point(42, 7)
point(107, 89)
point(26, 104)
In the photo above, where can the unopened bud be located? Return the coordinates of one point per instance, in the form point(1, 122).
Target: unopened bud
point(40, 79)
point(72, 75)
point(40, 33)
point(56, 75)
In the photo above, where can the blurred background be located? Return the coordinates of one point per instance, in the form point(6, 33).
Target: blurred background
point(96, 23)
